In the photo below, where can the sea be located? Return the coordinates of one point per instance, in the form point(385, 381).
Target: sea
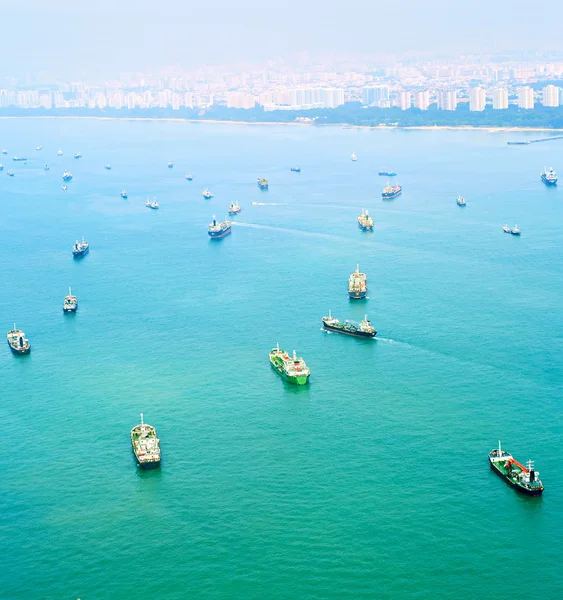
point(370, 482)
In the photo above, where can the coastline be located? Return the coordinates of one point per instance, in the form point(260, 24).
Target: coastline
point(294, 123)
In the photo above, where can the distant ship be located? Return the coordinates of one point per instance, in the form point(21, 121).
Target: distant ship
point(64, 187)
point(549, 176)
point(506, 229)
point(292, 369)
point(153, 204)
point(461, 201)
point(523, 478)
point(262, 183)
point(107, 167)
point(354, 157)
point(207, 194)
point(59, 152)
point(365, 222)
point(515, 230)
point(189, 177)
point(170, 164)
point(296, 169)
point(391, 191)
point(357, 285)
point(17, 341)
point(218, 230)
point(46, 168)
point(4, 152)
point(234, 208)
point(38, 148)
point(70, 304)
point(123, 194)
point(146, 445)
point(361, 329)
point(388, 173)
point(1, 167)
point(78, 155)
point(11, 172)
point(67, 176)
point(19, 159)
point(80, 249)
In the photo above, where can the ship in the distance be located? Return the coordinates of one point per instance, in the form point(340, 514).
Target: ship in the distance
point(362, 329)
point(59, 152)
point(189, 177)
point(391, 191)
point(64, 187)
point(461, 201)
point(152, 204)
point(46, 167)
point(515, 230)
point(170, 164)
point(218, 230)
point(353, 158)
point(506, 229)
point(17, 341)
point(4, 151)
point(123, 193)
point(67, 176)
point(1, 167)
point(70, 303)
point(296, 169)
point(19, 158)
point(292, 368)
point(365, 222)
point(262, 183)
point(549, 176)
point(357, 285)
point(383, 173)
point(523, 478)
point(107, 167)
point(11, 173)
point(77, 155)
point(234, 208)
point(80, 249)
point(38, 148)
point(207, 194)
point(146, 445)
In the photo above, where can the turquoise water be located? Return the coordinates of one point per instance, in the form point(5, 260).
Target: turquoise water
point(371, 482)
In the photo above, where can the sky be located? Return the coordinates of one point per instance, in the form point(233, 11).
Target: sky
point(105, 37)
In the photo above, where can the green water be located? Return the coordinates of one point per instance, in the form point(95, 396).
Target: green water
point(370, 482)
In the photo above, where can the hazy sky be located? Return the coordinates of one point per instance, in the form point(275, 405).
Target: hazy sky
point(107, 36)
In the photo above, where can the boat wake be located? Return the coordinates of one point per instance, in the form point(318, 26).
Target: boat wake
point(269, 204)
point(325, 236)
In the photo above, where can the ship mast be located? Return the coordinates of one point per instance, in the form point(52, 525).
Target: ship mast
point(142, 422)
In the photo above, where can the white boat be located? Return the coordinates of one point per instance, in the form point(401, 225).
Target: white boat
point(515, 230)
point(207, 194)
point(64, 187)
point(38, 148)
point(234, 208)
point(107, 167)
point(354, 157)
point(153, 204)
point(170, 164)
point(59, 152)
point(506, 229)
point(189, 176)
point(123, 194)
point(461, 201)
point(78, 155)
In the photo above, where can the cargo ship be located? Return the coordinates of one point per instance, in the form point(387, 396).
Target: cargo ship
point(17, 341)
point(70, 303)
point(549, 176)
point(506, 229)
point(296, 169)
point(207, 194)
point(461, 201)
point(391, 191)
point(46, 167)
point(357, 285)
point(189, 177)
point(146, 445)
point(80, 249)
point(354, 158)
point(123, 194)
point(78, 155)
point(292, 369)
point(365, 222)
point(64, 187)
point(262, 183)
point(170, 164)
point(107, 167)
point(59, 152)
point(218, 230)
point(11, 173)
point(387, 173)
point(4, 151)
point(153, 204)
point(524, 478)
point(19, 159)
point(515, 230)
point(362, 329)
point(234, 208)
point(67, 176)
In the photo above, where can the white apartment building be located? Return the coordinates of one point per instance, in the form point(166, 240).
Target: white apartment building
point(422, 100)
point(550, 95)
point(500, 99)
point(403, 100)
point(240, 100)
point(477, 99)
point(447, 100)
point(526, 97)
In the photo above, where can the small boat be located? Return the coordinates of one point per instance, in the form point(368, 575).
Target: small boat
point(67, 176)
point(70, 303)
point(153, 204)
point(146, 445)
point(38, 148)
point(11, 173)
point(207, 194)
point(17, 341)
point(354, 157)
point(515, 230)
point(189, 177)
point(524, 479)
point(387, 173)
point(46, 168)
point(123, 194)
point(549, 176)
point(64, 187)
point(107, 167)
point(19, 159)
point(296, 169)
point(59, 152)
point(262, 183)
point(1, 167)
point(77, 155)
point(460, 201)
point(80, 249)
point(170, 164)
point(506, 229)
point(234, 208)
point(4, 152)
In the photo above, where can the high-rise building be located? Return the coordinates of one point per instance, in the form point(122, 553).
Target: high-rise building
point(477, 99)
point(526, 97)
point(240, 100)
point(422, 100)
point(331, 97)
point(500, 99)
point(447, 100)
point(403, 100)
point(550, 95)
point(376, 95)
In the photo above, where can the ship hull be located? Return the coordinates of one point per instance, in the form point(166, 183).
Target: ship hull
point(365, 227)
point(360, 334)
point(511, 483)
point(391, 196)
point(357, 295)
point(19, 351)
point(146, 465)
point(80, 254)
point(548, 181)
point(298, 380)
point(69, 310)
point(220, 235)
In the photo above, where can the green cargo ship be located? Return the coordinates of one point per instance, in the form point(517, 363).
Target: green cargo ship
point(523, 478)
point(292, 369)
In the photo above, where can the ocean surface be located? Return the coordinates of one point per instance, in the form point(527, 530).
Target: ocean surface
point(373, 481)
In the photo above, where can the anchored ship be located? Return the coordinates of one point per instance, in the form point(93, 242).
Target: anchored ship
point(46, 167)
point(362, 329)
point(19, 159)
point(70, 303)
point(4, 151)
point(460, 201)
point(67, 176)
point(506, 229)
point(107, 167)
point(218, 230)
point(170, 164)
point(153, 204)
point(354, 157)
point(80, 249)
point(387, 173)
point(146, 445)
point(234, 208)
point(365, 222)
point(123, 193)
point(292, 369)
point(64, 187)
point(1, 167)
point(357, 285)
point(59, 152)
point(17, 341)
point(207, 194)
point(296, 169)
point(39, 148)
point(189, 177)
point(524, 478)
point(549, 176)
point(11, 173)
point(515, 230)
point(78, 155)
point(391, 191)
point(262, 183)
